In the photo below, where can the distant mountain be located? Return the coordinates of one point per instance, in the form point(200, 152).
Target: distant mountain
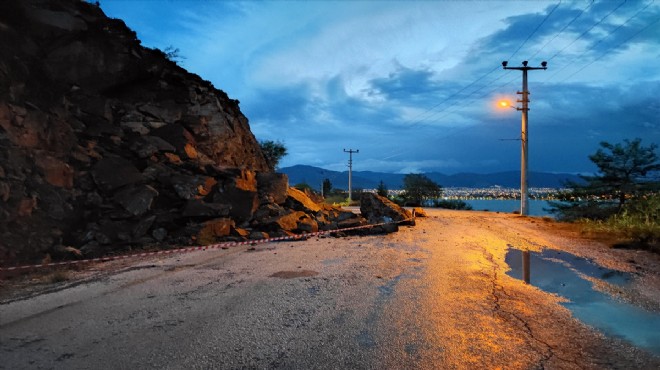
point(314, 176)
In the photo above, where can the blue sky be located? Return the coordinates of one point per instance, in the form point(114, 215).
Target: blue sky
point(414, 84)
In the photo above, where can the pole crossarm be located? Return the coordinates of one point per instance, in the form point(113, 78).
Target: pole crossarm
point(526, 68)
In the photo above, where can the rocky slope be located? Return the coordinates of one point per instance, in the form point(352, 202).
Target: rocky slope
point(108, 146)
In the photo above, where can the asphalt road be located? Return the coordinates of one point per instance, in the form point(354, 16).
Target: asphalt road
point(434, 296)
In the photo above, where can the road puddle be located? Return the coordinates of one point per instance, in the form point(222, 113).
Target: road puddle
point(590, 291)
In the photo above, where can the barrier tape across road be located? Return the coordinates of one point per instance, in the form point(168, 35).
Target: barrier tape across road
point(195, 248)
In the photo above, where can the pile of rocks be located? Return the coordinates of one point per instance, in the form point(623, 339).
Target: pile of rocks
point(380, 210)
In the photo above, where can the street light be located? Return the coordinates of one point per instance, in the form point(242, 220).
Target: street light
point(524, 203)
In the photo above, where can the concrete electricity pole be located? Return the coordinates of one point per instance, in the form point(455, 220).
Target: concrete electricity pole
point(524, 203)
point(350, 172)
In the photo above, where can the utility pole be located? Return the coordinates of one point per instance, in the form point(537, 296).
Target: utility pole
point(524, 202)
point(350, 172)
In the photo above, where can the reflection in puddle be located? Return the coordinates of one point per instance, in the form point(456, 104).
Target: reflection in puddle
point(572, 277)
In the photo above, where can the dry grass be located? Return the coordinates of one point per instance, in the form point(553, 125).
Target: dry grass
point(57, 276)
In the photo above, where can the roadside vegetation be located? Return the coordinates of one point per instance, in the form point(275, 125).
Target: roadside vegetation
point(418, 190)
point(622, 199)
point(638, 223)
point(452, 204)
point(273, 152)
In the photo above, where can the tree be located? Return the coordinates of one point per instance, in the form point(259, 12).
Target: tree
point(273, 151)
point(624, 172)
point(418, 187)
point(327, 187)
point(623, 169)
point(381, 189)
point(303, 186)
point(173, 54)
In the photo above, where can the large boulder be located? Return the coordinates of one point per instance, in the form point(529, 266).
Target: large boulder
point(299, 201)
point(296, 221)
point(214, 230)
point(379, 209)
point(272, 187)
point(114, 172)
point(239, 191)
point(136, 199)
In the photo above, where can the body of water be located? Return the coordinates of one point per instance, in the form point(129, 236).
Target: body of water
point(536, 207)
point(573, 278)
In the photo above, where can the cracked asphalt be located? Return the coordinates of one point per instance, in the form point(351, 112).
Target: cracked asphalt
point(433, 296)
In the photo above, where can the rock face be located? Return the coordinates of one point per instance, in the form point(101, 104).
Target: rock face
point(107, 146)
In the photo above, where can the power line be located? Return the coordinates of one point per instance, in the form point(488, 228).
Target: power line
point(463, 104)
point(587, 31)
point(536, 29)
point(413, 123)
point(562, 30)
point(606, 51)
point(598, 42)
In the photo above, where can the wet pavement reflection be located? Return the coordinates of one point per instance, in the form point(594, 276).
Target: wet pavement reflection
point(573, 278)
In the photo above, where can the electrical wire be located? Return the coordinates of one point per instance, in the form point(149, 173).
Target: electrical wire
point(587, 31)
point(614, 47)
point(562, 30)
point(597, 43)
point(416, 122)
point(535, 29)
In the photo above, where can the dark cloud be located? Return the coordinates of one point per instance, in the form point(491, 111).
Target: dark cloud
point(280, 104)
point(406, 84)
point(601, 26)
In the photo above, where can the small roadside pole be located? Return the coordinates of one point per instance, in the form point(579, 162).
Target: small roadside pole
point(350, 172)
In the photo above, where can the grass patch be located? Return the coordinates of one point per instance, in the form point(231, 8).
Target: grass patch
point(637, 225)
point(57, 276)
point(337, 200)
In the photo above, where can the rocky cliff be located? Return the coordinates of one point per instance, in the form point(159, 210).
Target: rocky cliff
point(107, 146)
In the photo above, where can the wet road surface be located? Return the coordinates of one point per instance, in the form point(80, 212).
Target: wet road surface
point(434, 296)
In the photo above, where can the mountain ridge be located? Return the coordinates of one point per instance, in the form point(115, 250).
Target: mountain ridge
point(314, 176)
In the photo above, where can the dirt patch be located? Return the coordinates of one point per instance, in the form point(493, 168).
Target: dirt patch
point(294, 274)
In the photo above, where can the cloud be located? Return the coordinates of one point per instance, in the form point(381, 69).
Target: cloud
point(406, 84)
